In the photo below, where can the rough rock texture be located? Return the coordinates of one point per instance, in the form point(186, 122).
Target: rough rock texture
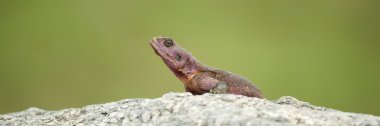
point(186, 109)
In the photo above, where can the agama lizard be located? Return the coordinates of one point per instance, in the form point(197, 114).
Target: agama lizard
point(198, 78)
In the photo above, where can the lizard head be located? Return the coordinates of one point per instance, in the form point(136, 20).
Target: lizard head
point(179, 61)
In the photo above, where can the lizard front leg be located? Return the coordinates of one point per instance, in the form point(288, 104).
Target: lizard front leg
point(220, 88)
point(203, 83)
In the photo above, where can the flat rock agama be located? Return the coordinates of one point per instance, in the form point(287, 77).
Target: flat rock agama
point(198, 78)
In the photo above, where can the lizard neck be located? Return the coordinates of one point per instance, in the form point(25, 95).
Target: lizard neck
point(188, 70)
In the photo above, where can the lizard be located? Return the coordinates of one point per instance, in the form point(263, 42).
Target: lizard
point(198, 78)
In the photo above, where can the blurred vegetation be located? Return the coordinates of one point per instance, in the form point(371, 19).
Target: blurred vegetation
point(61, 54)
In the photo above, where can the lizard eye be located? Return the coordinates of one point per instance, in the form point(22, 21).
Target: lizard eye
point(178, 57)
point(168, 43)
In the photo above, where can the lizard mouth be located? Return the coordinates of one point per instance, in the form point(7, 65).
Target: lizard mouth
point(153, 43)
point(164, 53)
point(154, 47)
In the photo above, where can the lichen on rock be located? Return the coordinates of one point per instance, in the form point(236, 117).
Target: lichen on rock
point(188, 109)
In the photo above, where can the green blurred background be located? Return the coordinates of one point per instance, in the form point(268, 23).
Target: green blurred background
point(61, 54)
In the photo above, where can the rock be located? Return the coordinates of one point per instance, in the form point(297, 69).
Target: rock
point(199, 110)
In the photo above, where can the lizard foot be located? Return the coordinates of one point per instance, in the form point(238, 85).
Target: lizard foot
point(220, 88)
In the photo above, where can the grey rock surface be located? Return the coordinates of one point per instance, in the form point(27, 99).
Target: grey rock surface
point(186, 109)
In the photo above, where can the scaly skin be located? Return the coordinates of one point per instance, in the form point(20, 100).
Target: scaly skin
point(198, 78)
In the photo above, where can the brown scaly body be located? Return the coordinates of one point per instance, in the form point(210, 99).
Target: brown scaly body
point(198, 78)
